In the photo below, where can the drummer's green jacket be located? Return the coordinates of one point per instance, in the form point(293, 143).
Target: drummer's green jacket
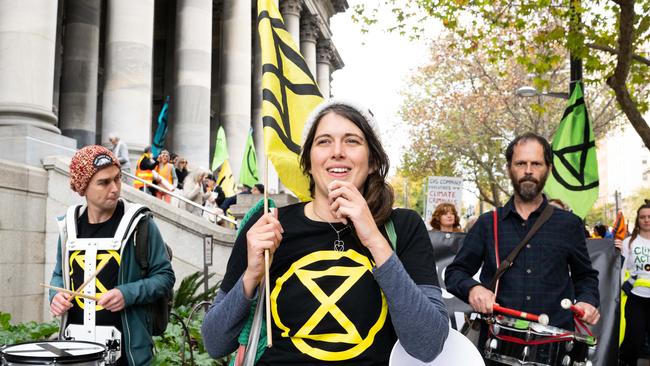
point(137, 291)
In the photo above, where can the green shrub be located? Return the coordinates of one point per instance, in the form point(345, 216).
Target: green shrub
point(24, 332)
point(173, 347)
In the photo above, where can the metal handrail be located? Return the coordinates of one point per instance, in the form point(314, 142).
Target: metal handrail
point(225, 218)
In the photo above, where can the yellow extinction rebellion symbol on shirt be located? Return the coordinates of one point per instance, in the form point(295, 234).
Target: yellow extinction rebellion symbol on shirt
point(103, 258)
point(328, 305)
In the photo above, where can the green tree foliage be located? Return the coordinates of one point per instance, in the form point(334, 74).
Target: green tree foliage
point(409, 190)
point(611, 36)
point(632, 203)
point(462, 111)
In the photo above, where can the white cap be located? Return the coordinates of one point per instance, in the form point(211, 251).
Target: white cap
point(365, 112)
point(543, 319)
point(566, 304)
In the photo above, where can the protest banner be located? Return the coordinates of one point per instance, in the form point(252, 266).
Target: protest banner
point(442, 190)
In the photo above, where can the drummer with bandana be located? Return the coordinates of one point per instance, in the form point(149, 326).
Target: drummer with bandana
point(554, 265)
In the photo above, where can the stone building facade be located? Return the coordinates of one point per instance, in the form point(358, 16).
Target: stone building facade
point(83, 69)
point(74, 71)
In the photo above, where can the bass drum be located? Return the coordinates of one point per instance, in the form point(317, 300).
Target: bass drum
point(69, 353)
point(458, 350)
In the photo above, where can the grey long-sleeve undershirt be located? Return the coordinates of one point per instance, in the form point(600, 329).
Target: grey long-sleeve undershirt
point(417, 312)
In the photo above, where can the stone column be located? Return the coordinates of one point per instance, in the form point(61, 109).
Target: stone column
point(126, 105)
point(290, 10)
point(236, 78)
point(78, 101)
point(191, 103)
point(323, 65)
point(308, 39)
point(28, 129)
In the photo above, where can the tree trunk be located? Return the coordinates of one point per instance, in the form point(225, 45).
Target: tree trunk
point(618, 81)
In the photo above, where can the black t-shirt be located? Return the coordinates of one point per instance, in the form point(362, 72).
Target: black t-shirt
point(326, 305)
point(107, 278)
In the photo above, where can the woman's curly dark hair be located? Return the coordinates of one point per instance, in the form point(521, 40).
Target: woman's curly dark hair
point(377, 192)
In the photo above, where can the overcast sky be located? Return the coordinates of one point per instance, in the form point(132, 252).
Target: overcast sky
point(377, 65)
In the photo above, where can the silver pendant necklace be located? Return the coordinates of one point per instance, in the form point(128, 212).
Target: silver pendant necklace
point(339, 245)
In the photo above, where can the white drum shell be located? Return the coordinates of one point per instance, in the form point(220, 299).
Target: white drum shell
point(69, 353)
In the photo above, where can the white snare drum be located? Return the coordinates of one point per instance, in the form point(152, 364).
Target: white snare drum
point(521, 342)
point(458, 350)
point(69, 353)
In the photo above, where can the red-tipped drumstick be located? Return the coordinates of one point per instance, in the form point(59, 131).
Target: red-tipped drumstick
point(541, 318)
point(568, 305)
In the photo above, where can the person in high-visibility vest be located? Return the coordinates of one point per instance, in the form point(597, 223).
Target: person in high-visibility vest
point(144, 169)
point(635, 295)
point(166, 171)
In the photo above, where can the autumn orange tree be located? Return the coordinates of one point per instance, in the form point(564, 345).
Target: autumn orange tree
point(610, 36)
point(462, 111)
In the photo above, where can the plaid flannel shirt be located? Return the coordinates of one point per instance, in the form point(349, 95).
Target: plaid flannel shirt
point(554, 264)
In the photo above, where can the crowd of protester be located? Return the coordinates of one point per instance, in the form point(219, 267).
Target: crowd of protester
point(196, 184)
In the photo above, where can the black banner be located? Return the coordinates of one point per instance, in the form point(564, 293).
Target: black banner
point(607, 260)
point(604, 258)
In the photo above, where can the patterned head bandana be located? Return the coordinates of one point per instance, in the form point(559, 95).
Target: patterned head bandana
point(86, 162)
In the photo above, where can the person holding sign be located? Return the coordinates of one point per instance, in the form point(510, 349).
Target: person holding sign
point(343, 288)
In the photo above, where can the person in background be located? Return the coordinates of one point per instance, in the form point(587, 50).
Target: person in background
point(332, 263)
point(636, 286)
point(144, 170)
point(232, 200)
point(121, 151)
point(445, 218)
point(600, 231)
point(212, 192)
point(220, 196)
point(181, 171)
point(194, 190)
point(258, 189)
point(165, 171)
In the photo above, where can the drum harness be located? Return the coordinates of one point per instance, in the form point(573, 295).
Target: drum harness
point(89, 331)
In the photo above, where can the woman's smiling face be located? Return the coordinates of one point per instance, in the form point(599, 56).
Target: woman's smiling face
point(339, 152)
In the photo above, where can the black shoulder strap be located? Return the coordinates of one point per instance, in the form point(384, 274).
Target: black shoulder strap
point(141, 244)
point(507, 263)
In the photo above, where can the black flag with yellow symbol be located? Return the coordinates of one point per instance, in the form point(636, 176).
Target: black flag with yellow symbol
point(289, 94)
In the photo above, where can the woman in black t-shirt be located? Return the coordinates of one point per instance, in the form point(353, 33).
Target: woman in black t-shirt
point(340, 292)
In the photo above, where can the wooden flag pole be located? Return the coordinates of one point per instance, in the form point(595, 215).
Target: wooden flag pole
point(267, 260)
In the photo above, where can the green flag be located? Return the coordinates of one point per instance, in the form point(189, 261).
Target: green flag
point(220, 150)
point(248, 174)
point(574, 177)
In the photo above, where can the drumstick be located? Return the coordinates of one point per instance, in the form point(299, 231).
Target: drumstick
point(66, 291)
point(541, 318)
point(86, 282)
point(568, 305)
